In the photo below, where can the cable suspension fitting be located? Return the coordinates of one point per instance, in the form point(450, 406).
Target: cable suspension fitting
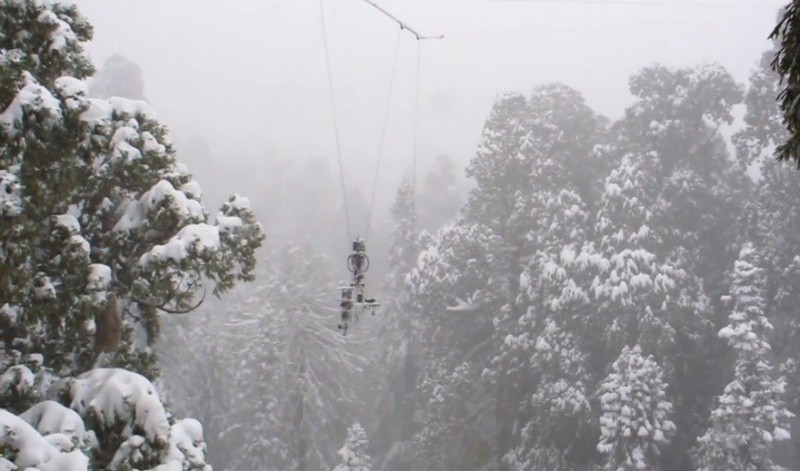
point(403, 25)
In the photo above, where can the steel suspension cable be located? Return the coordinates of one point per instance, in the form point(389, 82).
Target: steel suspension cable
point(383, 133)
point(415, 139)
point(335, 120)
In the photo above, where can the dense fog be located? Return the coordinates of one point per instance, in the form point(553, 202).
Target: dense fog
point(581, 249)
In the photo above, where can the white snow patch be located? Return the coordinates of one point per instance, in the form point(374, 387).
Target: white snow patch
point(132, 218)
point(50, 417)
point(113, 394)
point(80, 241)
point(73, 91)
point(186, 446)
point(72, 461)
point(164, 189)
point(61, 35)
point(135, 211)
point(68, 222)
point(32, 448)
point(192, 189)
point(192, 239)
point(71, 87)
point(100, 275)
point(238, 202)
point(461, 305)
point(97, 111)
point(32, 97)
point(17, 377)
point(151, 144)
point(10, 200)
point(131, 107)
point(228, 223)
point(781, 434)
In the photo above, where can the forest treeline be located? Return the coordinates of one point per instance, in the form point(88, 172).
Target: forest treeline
point(611, 295)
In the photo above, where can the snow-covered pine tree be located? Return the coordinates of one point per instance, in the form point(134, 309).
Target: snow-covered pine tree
point(104, 407)
point(102, 231)
point(404, 250)
point(557, 428)
point(786, 339)
point(535, 159)
point(458, 283)
point(772, 225)
point(693, 193)
point(223, 366)
point(682, 181)
point(101, 219)
point(354, 452)
point(443, 440)
point(636, 413)
point(558, 414)
point(320, 379)
point(399, 358)
point(786, 42)
point(637, 292)
point(290, 377)
point(501, 169)
point(676, 118)
point(497, 171)
point(541, 183)
point(750, 415)
point(763, 127)
point(645, 297)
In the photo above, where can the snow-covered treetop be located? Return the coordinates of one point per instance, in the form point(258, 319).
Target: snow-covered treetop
point(45, 37)
point(354, 452)
point(636, 414)
point(747, 321)
point(707, 91)
point(750, 413)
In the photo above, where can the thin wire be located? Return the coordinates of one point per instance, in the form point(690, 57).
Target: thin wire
point(416, 140)
point(335, 120)
point(383, 133)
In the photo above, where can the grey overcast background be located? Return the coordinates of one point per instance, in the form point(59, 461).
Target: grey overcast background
point(243, 82)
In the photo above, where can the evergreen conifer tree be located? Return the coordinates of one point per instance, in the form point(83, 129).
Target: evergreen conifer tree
point(354, 452)
point(772, 222)
point(636, 414)
point(103, 231)
point(559, 411)
point(670, 215)
point(750, 415)
point(787, 37)
point(399, 356)
point(102, 221)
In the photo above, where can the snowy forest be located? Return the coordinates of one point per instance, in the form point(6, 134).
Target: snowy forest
point(581, 292)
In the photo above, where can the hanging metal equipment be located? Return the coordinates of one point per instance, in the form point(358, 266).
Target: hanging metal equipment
point(353, 300)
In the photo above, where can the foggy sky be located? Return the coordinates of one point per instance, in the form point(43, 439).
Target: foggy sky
point(247, 78)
